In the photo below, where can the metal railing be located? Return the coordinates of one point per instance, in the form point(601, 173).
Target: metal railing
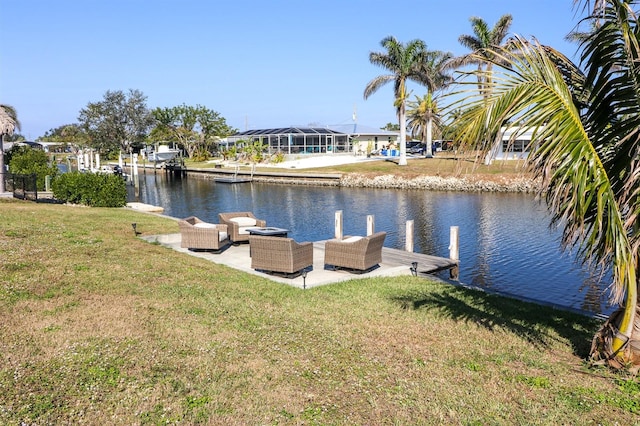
point(24, 187)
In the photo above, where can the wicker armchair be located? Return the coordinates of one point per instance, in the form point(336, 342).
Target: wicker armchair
point(199, 235)
point(277, 254)
point(238, 222)
point(359, 254)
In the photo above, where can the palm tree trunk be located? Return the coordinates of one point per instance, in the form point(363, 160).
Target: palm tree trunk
point(628, 318)
point(618, 340)
point(403, 134)
point(627, 325)
point(2, 163)
point(428, 150)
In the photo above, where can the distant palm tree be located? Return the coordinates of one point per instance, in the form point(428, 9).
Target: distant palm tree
point(585, 149)
point(481, 45)
point(433, 75)
point(404, 62)
point(423, 116)
point(8, 124)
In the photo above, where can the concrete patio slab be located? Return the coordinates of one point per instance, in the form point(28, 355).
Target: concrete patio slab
point(237, 257)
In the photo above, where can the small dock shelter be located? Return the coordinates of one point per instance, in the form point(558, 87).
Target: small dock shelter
point(315, 140)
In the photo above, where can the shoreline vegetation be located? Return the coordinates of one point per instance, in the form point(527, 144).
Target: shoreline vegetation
point(101, 327)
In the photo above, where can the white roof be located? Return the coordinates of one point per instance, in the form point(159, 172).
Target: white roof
point(359, 129)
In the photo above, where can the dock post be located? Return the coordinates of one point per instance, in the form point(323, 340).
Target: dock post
point(408, 245)
point(371, 224)
point(338, 225)
point(131, 168)
point(454, 250)
point(136, 181)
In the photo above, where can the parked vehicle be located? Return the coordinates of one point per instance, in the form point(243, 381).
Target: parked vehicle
point(418, 148)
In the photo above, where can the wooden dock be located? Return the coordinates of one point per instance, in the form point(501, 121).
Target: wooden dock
point(426, 264)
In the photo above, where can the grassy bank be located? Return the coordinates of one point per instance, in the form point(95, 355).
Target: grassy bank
point(443, 164)
point(99, 327)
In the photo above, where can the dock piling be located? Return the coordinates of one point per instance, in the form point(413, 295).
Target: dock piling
point(454, 250)
point(371, 224)
point(338, 225)
point(409, 239)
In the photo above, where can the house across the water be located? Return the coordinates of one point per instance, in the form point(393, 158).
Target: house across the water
point(514, 144)
point(351, 138)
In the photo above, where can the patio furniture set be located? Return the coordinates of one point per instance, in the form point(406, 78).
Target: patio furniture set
point(271, 249)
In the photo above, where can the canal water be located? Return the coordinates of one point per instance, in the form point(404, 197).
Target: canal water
point(506, 245)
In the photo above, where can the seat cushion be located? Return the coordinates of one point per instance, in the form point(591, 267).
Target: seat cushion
point(244, 230)
point(243, 221)
point(204, 225)
point(222, 235)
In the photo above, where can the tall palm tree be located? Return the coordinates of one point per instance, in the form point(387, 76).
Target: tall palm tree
point(435, 75)
point(423, 116)
point(8, 123)
point(403, 61)
point(586, 152)
point(481, 45)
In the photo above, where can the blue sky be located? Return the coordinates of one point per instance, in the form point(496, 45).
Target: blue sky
point(259, 64)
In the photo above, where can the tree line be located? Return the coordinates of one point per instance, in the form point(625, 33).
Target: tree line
point(122, 122)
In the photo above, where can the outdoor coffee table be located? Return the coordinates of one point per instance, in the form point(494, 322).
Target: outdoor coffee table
point(269, 231)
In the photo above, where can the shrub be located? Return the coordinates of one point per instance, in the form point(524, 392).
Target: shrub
point(91, 189)
point(24, 160)
point(278, 157)
point(201, 154)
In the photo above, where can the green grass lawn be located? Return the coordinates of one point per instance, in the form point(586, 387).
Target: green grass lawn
point(100, 327)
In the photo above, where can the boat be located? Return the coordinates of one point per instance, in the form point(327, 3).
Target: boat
point(235, 178)
point(231, 180)
point(162, 154)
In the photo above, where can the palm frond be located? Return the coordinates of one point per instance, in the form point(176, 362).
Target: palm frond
point(8, 119)
point(500, 30)
point(470, 42)
point(481, 31)
point(612, 55)
point(575, 181)
point(376, 83)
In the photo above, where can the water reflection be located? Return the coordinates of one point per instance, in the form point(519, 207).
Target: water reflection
point(505, 242)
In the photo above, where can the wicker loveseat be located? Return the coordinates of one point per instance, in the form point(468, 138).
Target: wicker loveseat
point(199, 235)
point(359, 254)
point(238, 224)
point(277, 254)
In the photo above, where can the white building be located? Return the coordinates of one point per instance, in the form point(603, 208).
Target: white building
point(514, 143)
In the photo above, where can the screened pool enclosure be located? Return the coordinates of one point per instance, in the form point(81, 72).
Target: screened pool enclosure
point(296, 140)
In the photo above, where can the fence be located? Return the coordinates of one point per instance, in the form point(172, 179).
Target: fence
point(23, 186)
